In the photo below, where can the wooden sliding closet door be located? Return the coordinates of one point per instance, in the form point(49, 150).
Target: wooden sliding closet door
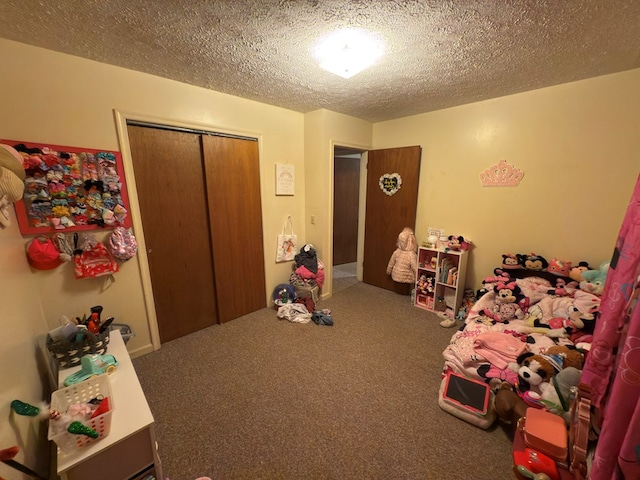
point(173, 206)
point(235, 215)
point(201, 211)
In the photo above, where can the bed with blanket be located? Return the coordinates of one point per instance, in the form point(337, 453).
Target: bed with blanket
point(519, 311)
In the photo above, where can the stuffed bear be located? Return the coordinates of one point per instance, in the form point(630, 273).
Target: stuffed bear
point(536, 368)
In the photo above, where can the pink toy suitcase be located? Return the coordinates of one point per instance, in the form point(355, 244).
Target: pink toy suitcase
point(546, 432)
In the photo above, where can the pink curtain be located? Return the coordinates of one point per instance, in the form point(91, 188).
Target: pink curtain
point(612, 368)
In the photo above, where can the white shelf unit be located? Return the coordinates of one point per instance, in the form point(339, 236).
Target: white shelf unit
point(444, 272)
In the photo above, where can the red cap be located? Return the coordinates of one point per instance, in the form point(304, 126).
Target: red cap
point(43, 254)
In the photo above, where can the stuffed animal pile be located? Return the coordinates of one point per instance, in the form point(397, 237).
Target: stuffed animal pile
point(589, 279)
point(545, 380)
point(552, 308)
point(538, 368)
point(560, 318)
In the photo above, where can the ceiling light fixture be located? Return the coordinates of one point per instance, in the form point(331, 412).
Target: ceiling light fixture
point(348, 51)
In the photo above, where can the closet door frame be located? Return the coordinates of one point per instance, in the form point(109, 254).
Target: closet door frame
point(121, 118)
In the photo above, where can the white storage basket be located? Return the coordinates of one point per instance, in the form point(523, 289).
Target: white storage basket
point(83, 392)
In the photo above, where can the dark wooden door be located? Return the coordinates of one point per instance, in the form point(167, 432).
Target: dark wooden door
point(235, 214)
point(201, 212)
point(346, 194)
point(386, 215)
point(173, 205)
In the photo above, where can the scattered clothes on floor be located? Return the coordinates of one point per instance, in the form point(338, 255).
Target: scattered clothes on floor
point(322, 318)
point(308, 303)
point(294, 312)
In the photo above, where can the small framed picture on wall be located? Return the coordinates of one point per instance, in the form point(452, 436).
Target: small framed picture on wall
point(285, 179)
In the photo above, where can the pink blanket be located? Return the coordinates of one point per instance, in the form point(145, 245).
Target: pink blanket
point(499, 349)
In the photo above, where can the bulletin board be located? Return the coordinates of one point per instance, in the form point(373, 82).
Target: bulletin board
point(70, 189)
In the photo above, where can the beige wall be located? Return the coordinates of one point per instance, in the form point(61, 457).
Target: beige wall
point(54, 98)
point(578, 145)
point(324, 130)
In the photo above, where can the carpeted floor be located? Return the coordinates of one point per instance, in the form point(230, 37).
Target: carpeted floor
point(263, 398)
point(344, 276)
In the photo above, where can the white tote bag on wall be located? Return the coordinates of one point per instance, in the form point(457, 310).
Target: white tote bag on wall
point(287, 243)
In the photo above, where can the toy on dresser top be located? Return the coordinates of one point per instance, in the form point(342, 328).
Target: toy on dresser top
point(457, 243)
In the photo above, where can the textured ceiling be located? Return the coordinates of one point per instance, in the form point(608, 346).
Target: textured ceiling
point(440, 53)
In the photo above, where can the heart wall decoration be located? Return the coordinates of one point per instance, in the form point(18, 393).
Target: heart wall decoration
point(390, 183)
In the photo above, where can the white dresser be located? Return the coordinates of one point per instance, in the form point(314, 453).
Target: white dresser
point(129, 451)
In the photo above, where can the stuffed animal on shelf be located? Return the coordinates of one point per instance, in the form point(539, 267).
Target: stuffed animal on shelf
point(425, 284)
point(536, 368)
point(457, 243)
point(593, 280)
point(454, 242)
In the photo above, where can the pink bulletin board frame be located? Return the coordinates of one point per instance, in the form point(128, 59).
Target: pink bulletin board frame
point(70, 189)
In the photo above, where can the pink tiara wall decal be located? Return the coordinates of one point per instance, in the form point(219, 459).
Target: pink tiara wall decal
point(501, 174)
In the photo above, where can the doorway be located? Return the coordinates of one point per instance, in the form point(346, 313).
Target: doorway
point(199, 196)
point(346, 205)
point(392, 198)
point(385, 213)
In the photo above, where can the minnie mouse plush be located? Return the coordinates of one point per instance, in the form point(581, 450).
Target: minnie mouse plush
point(455, 243)
point(458, 243)
point(508, 298)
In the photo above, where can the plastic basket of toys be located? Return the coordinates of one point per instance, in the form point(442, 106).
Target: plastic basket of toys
point(81, 413)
